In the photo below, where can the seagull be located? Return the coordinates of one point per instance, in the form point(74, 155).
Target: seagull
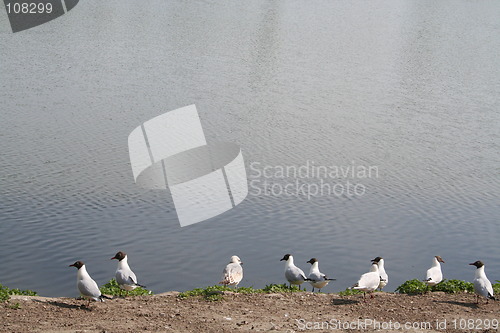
point(482, 286)
point(88, 288)
point(233, 273)
point(368, 282)
point(434, 274)
point(384, 278)
point(125, 278)
point(293, 274)
point(316, 278)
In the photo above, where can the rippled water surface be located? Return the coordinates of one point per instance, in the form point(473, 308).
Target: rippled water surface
point(411, 88)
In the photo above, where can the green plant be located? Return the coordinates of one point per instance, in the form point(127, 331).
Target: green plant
point(5, 293)
point(189, 293)
point(349, 292)
point(15, 306)
point(280, 288)
point(454, 286)
point(210, 293)
point(112, 288)
point(448, 286)
point(215, 293)
point(496, 287)
point(23, 292)
point(247, 290)
point(412, 287)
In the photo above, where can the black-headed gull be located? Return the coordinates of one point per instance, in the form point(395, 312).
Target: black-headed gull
point(316, 278)
point(293, 274)
point(369, 282)
point(233, 273)
point(434, 274)
point(384, 278)
point(124, 276)
point(86, 285)
point(482, 286)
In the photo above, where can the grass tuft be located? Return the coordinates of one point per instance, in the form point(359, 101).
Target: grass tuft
point(412, 287)
point(112, 288)
point(454, 286)
point(415, 286)
point(349, 292)
point(496, 287)
point(280, 288)
point(15, 306)
point(210, 293)
point(5, 293)
point(215, 293)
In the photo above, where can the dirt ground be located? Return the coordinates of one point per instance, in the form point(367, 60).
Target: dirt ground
point(294, 312)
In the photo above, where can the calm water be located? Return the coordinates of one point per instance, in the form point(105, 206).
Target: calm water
point(410, 87)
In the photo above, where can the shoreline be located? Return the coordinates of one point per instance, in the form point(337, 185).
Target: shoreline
point(277, 312)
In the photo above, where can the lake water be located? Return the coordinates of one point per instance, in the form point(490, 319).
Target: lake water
point(409, 88)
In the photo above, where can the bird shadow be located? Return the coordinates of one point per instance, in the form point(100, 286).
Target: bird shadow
point(65, 305)
point(343, 301)
point(464, 304)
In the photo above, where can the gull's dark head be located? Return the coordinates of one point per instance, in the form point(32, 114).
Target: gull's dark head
point(78, 264)
point(376, 260)
point(439, 259)
point(312, 261)
point(119, 256)
point(285, 257)
point(477, 263)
